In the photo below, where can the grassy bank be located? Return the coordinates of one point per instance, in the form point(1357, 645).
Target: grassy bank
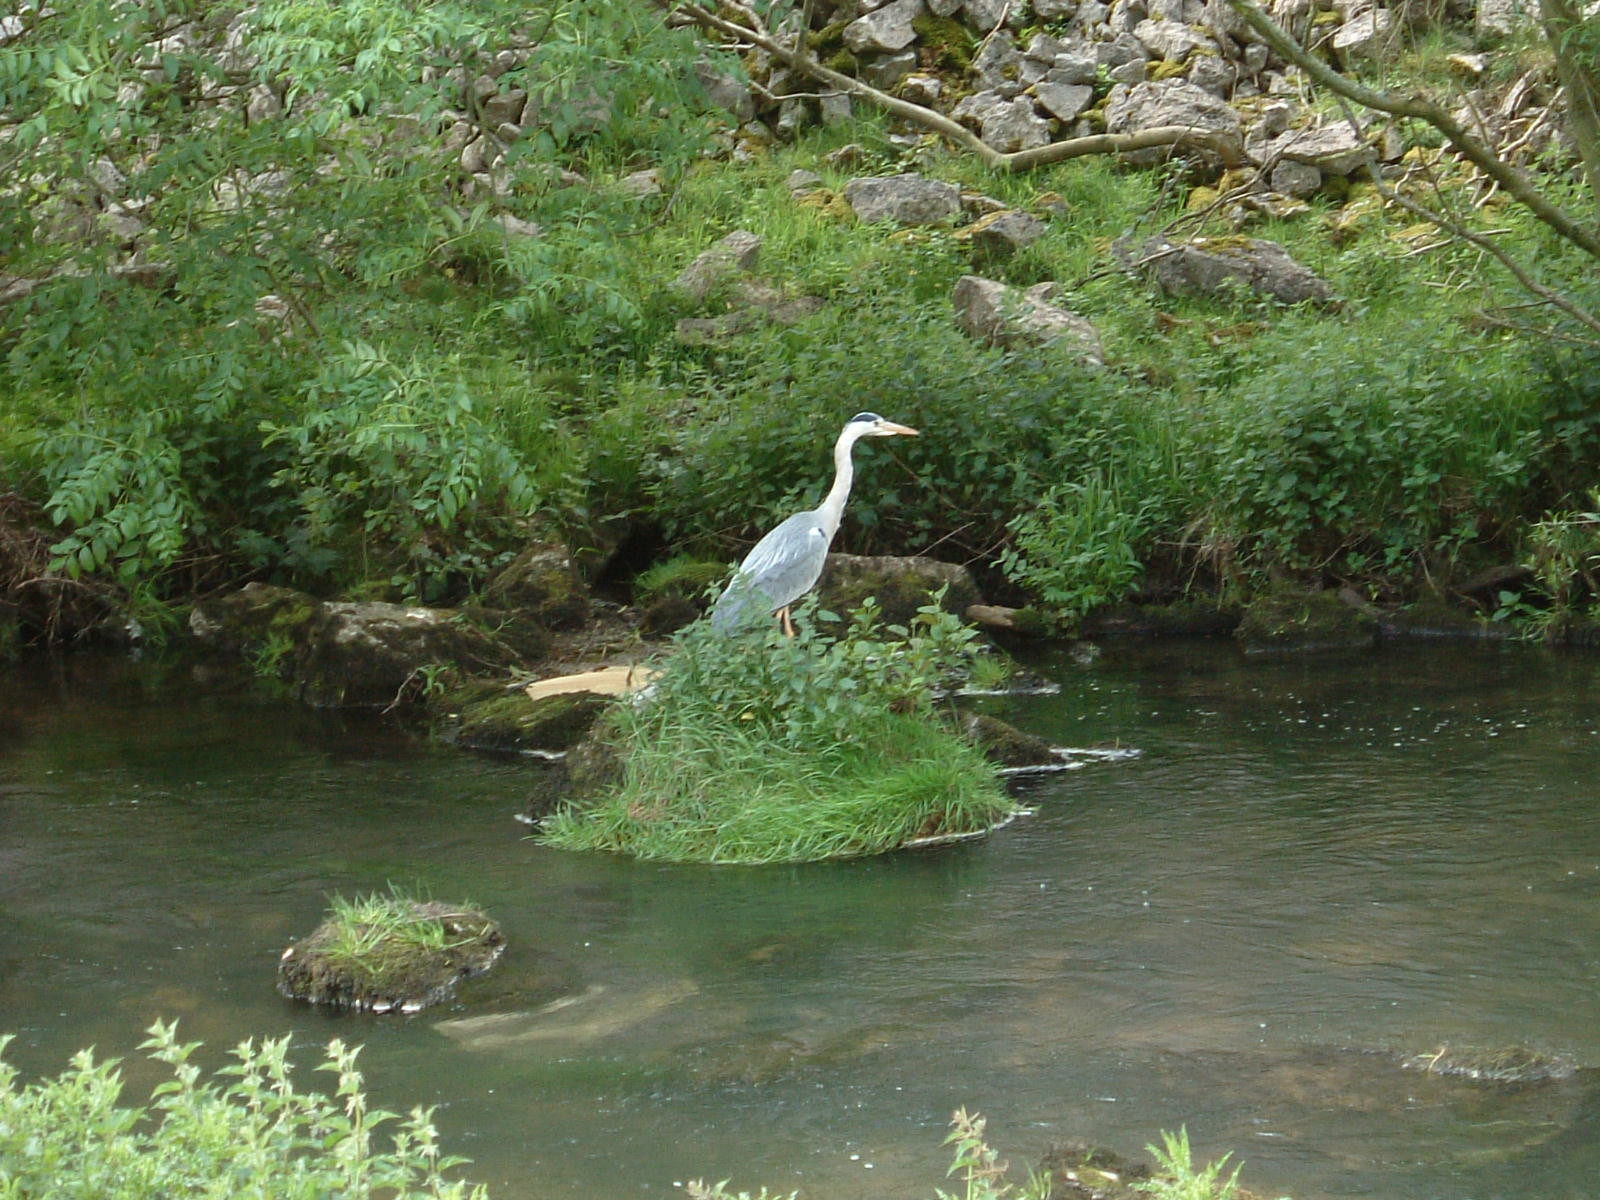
point(352, 375)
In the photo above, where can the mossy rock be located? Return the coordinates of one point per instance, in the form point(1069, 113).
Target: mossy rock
point(357, 653)
point(255, 620)
point(393, 972)
point(667, 614)
point(1438, 618)
point(1004, 744)
point(543, 583)
point(1301, 622)
point(485, 715)
point(944, 42)
point(1181, 618)
point(901, 585)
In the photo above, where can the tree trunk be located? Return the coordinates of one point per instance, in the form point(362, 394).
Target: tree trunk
point(1577, 49)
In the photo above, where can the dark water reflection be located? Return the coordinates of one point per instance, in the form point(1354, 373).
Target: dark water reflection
point(1315, 868)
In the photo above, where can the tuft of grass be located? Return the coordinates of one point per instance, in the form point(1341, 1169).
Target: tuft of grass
point(682, 573)
point(380, 923)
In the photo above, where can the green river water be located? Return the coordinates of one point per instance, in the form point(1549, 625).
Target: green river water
point(1313, 869)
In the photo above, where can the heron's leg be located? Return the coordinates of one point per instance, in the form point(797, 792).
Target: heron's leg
point(788, 625)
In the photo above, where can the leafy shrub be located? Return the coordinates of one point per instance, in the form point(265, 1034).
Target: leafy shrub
point(753, 445)
point(1344, 453)
point(1079, 548)
point(255, 1135)
point(390, 459)
point(753, 747)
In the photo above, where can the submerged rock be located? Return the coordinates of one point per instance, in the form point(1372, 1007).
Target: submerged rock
point(1504, 1064)
point(1303, 621)
point(1005, 744)
point(1080, 1171)
point(392, 969)
point(484, 715)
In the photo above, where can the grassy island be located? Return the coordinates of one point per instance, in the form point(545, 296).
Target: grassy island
point(757, 748)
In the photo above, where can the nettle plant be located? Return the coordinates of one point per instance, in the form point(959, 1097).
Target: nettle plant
point(815, 688)
point(249, 1132)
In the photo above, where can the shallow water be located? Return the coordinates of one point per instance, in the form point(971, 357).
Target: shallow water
point(1314, 868)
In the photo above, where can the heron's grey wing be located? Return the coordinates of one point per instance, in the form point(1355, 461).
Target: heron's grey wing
point(783, 566)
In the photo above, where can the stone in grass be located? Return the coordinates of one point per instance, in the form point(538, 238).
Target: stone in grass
point(389, 953)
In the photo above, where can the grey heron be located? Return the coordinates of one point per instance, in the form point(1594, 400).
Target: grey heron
point(786, 563)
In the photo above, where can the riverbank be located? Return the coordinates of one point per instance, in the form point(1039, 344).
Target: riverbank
point(631, 333)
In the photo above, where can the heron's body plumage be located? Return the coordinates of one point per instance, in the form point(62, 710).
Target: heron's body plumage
point(786, 563)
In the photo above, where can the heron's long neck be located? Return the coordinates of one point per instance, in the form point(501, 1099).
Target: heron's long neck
point(831, 510)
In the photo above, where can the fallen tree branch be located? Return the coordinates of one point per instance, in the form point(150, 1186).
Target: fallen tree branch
point(751, 30)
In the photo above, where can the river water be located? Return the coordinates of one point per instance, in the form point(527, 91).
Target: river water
point(1313, 869)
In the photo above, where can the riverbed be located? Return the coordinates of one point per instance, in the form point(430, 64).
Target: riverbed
point(1312, 869)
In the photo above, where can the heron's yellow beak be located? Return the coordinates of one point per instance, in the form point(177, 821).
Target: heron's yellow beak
point(891, 427)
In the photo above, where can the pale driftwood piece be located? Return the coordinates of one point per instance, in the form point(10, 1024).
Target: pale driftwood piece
point(607, 681)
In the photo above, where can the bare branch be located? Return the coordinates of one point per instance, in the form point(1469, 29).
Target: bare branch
point(750, 29)
point(1513, 181)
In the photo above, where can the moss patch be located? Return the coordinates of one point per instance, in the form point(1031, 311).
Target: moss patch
point(485, 716)
point(1304, 621)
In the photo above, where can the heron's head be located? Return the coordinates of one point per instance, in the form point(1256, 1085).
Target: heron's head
point(870, 424)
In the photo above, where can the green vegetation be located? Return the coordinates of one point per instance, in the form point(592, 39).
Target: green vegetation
point(1180, 1179)
point(248, 1133)
point(980, 1168)
point(366, 346)
point(381, 923)
point(984, 1176)
point(755, 748)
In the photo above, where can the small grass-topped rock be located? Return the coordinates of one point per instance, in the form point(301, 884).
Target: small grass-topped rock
point(389, 953)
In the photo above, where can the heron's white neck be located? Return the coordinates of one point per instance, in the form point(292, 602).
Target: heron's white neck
point(831, 510)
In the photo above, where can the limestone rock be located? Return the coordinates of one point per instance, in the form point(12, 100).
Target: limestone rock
point(364, 654)
point(1014, 125)
point(1064, 101)
point(734, 255)
point(998, 62)
point(1362, 35)
point(904, 199)
point(1335, 149)
point(1005, 316)
point(1000, 233)
point(1170, 39)
point(1500, 17)
point(1174, 102)
point(1214, 266)
point(725, 90)
point(884, 30)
